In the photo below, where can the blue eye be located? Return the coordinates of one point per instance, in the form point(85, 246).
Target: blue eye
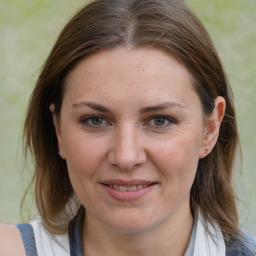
point(161, 121)
point(94, 121)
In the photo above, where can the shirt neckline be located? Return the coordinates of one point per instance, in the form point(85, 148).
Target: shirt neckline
point(75, 235)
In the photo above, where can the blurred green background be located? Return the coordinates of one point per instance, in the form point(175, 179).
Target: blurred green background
point(28, 30)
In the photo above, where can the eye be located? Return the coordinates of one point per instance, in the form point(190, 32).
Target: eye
point(161, 121)
point(94, 121)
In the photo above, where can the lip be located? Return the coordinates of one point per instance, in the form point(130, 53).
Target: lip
point(128, 196)
point(127, 183)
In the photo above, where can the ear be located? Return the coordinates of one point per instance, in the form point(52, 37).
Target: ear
point(212, 126)
point(56, 124)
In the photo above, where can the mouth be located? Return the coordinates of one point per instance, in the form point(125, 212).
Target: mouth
point(128, 190)
point(130, 185)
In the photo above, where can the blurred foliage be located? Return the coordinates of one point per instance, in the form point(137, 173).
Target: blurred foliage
point(231, 24)
point(28, 30)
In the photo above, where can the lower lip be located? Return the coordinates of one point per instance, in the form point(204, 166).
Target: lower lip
point(128, 196)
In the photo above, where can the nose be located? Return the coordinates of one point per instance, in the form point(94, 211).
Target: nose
point(127, 151)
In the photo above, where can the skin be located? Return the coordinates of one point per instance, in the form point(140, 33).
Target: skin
point(10, 241)
point(132, 140)
point(127, 140)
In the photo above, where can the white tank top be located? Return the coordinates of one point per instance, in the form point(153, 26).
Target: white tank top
point(201, 243)
point(50, 244)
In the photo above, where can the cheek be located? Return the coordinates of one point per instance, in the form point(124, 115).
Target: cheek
point(83, 155)
point(84, 158)
point(177, 159)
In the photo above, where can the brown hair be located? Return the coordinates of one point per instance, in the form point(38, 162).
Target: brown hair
point(169, 25)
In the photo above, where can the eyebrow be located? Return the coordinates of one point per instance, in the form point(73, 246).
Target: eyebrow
point(91, 105)
point(104, 109)
point(161, 107)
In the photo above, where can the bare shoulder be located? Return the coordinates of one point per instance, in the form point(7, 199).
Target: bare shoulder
point(10, 241)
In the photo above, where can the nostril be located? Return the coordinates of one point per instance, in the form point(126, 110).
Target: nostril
point(126, 160)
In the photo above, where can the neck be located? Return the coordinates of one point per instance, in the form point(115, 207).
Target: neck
point(170, 237)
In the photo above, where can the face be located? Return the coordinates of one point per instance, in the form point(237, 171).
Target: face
point(132, 131)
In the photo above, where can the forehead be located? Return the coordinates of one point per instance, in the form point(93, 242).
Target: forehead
point(129, 73)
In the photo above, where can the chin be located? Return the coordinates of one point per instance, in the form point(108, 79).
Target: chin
point(130, 223)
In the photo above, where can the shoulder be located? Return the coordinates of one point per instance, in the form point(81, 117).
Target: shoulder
point(11, 241)
point(245, 245)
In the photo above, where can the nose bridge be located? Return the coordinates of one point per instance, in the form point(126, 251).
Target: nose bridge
point(127, 149)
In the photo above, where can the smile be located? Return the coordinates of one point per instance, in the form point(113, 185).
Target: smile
point(128, 191)
point(128, 188)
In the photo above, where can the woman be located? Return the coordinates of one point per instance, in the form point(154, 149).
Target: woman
point(133, 132)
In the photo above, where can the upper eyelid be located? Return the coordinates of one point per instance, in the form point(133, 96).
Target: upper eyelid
point(162, 116)
point(148, 119)
point(171, 121)
point(88, 117)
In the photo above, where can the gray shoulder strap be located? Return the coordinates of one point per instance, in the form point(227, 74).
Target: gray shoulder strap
point(28, 238)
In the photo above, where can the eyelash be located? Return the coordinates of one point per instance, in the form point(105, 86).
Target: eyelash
point(165, 118)
point(87, 119)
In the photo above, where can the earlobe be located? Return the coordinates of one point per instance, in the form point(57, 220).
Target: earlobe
point(57, 130)
point(212, 126)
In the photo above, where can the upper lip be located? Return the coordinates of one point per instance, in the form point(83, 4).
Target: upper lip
point(127, 183)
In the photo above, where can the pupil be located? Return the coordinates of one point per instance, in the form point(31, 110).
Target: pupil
point(97, 121)
point(159, 121)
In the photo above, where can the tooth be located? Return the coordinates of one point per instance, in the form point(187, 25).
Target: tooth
point(128, 188)
point(123, 188)
point(132, 188)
